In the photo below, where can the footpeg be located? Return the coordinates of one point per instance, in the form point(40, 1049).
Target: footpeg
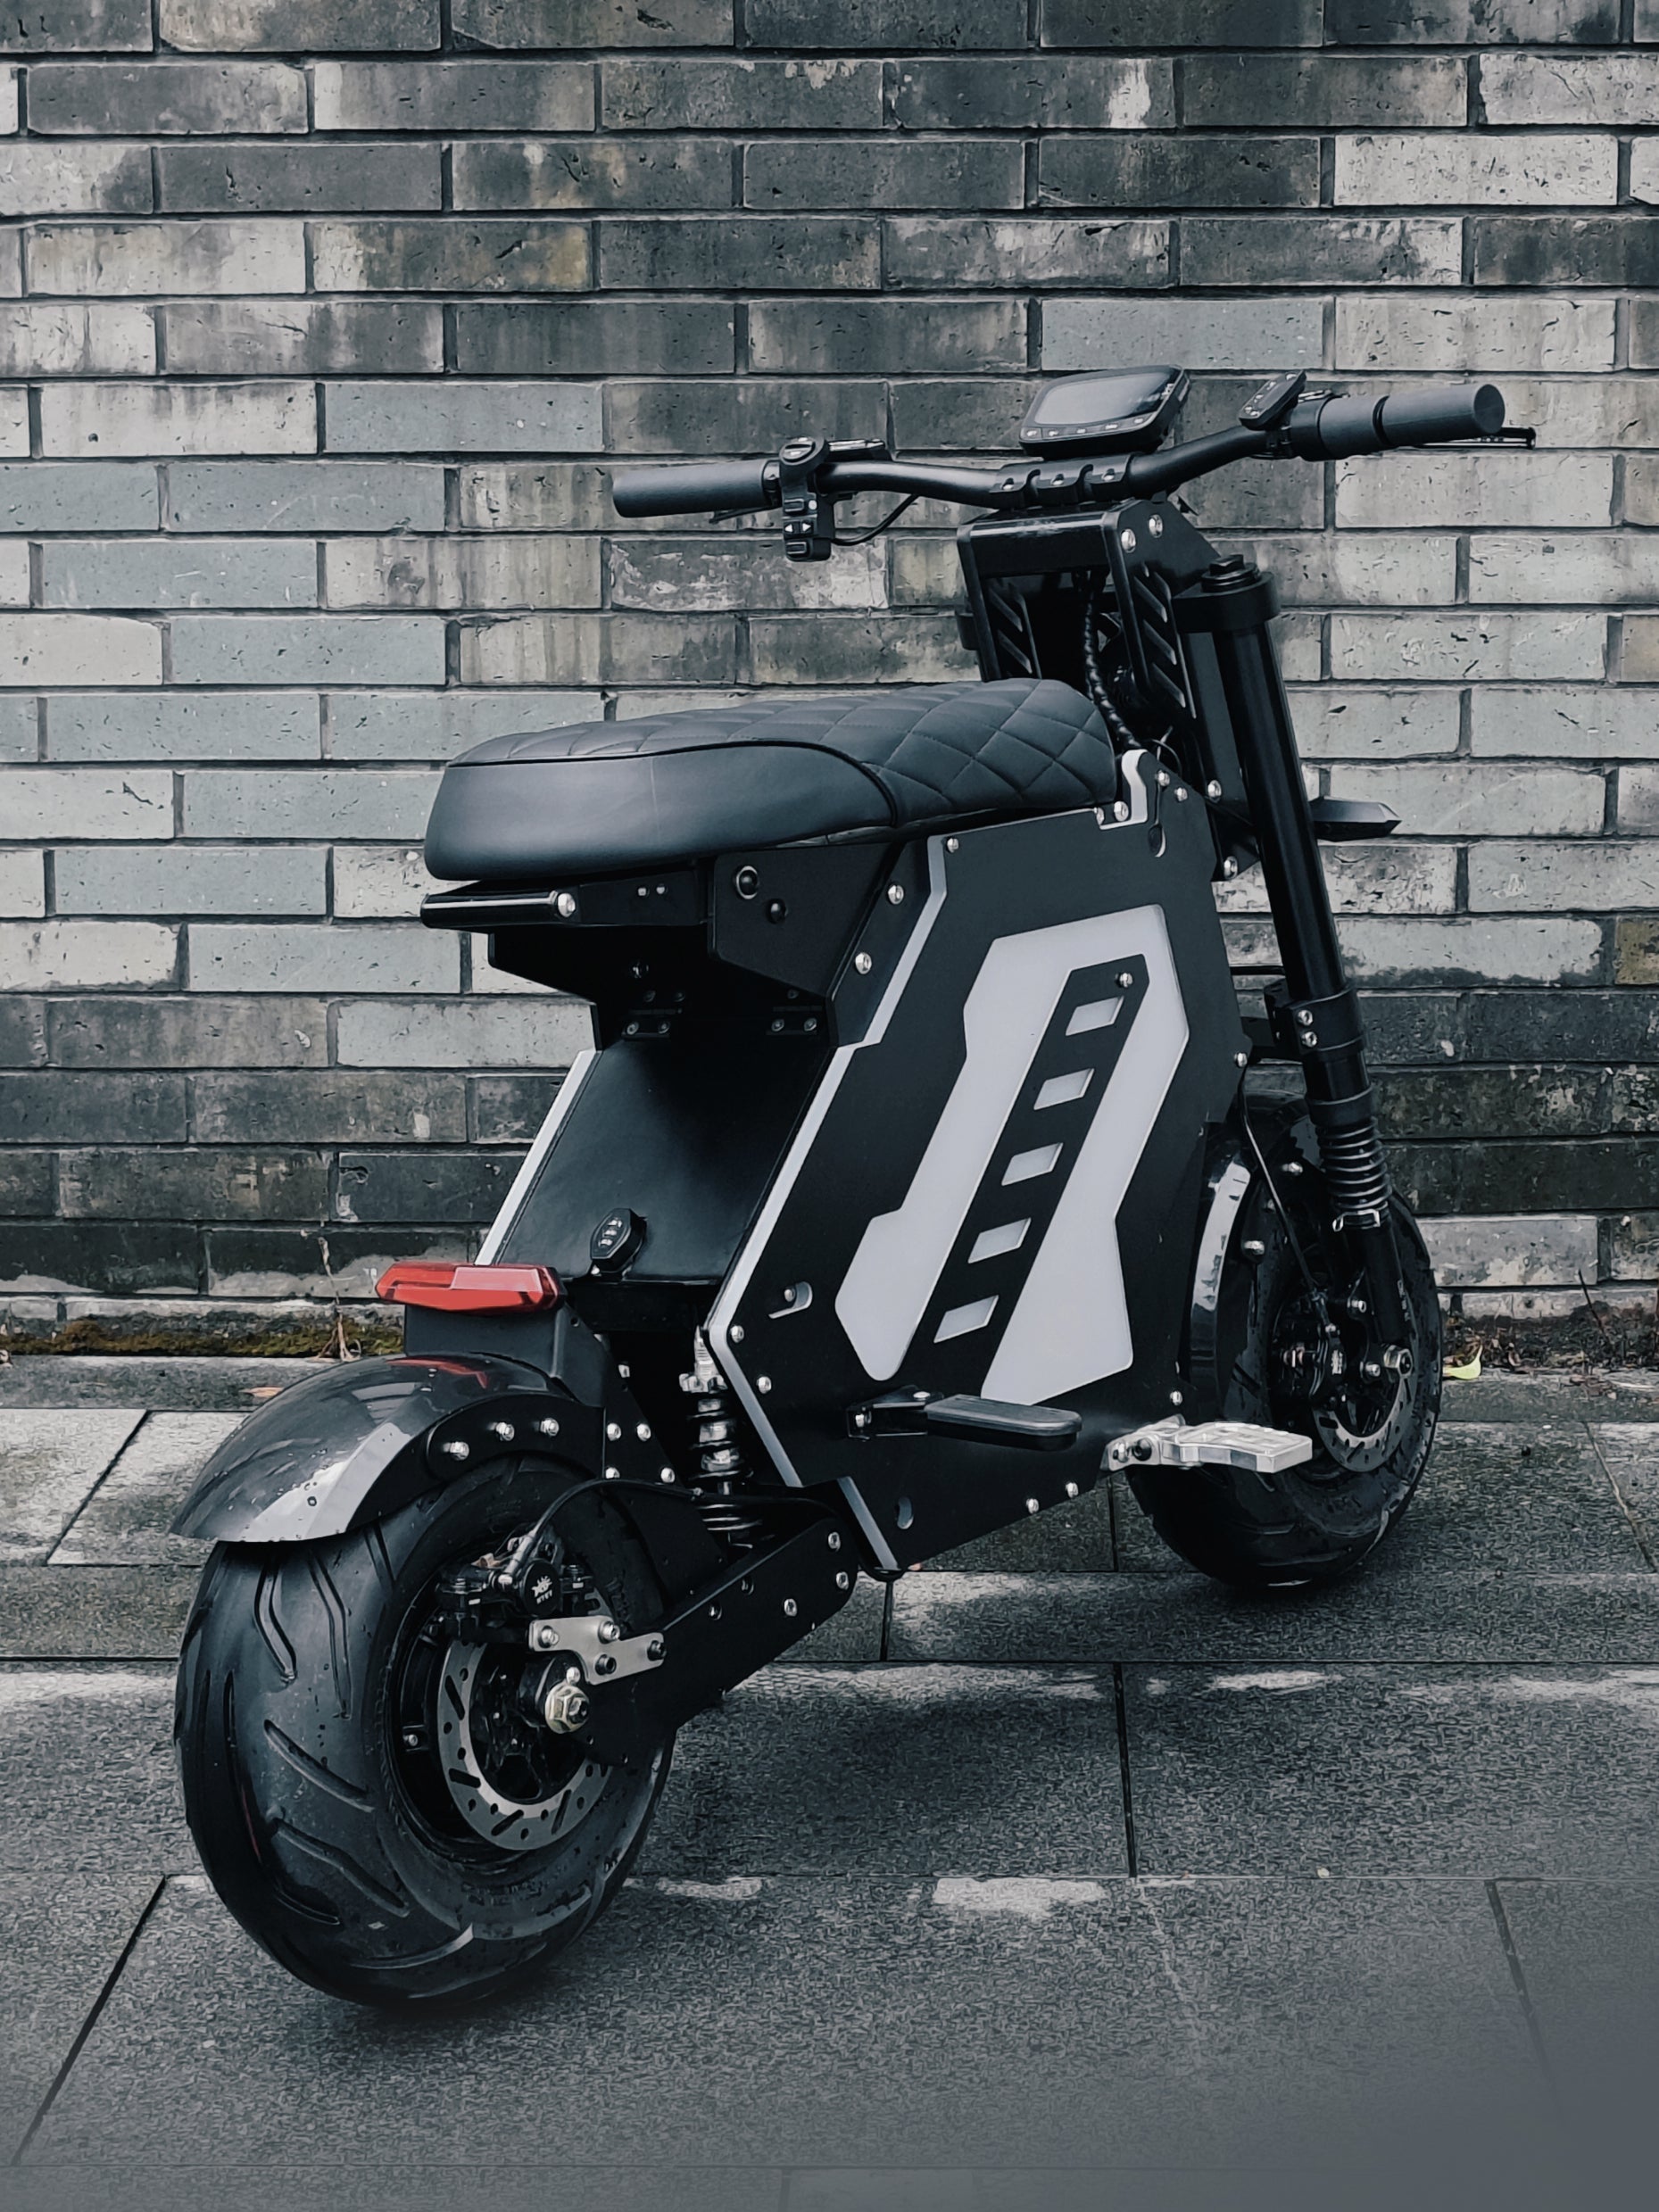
point(973, 1420)
point(1240, 1444)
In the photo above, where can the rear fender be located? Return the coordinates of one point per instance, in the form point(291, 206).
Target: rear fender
point(347, 1447)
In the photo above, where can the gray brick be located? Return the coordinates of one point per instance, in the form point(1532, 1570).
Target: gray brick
point(178, 572)
point(317, 957)
point(269, 1263)
point(592, 337)
point(317, 803)
point(1034, 92)
point(437, 725)
point(78, 27)
point(508, 1109)
point(1570, 89)
point(869, 336)
point(850, 648)
point(120, 1183)
point(1560, 491)
point(311, 337)
point(1346, 91)
point(1639, 663)
point(1614, 569)
point(317, 649)
point(541, 1032)
point(74, 180)
point(50, 1105)
point(935, 252)
point(450, 254)
point(26, 1185)
point(164, 880)
point(876, 173)
point(737, 415)
point(1407, 568)
point(118, 1257)
point(1362, 724)
point(1512, 949)
point(86, 956)
point(22, 1031)
point(1463, 334)
point(60, 495)
point(19, 734)
point(1388, 878)
point(297, 25)
point(1321, 250)
point(1180, 23)
point(695, 575)
point(1471, 22)
point(453, 96)
point(45, 803)
point(65, 338)
point(460, 417)
point(600, 648)
point(535, 495)
point(136, 258)
point(84, 420)
point(1639, 799)
point(52, 649)
point(303, 496)
point(1201, 334)
point(608, 173)
point(22, 884)
point(950, 415)
point(331, 1106)
point(506, 23)
point(1176, 170)
point(887, 24)
point(423, 1186)
point(282, 179)
point(378, 882)
point(497, 571)
point(646, 94)
point(1564, 249)
point(1432, 168)
point(1564, 721)
point(165, 99)
point(1483, 797)
point(1543, 877)
point(1456, 648)
point(172, 1033)
point(1513, 1250)
point(747, 252)
point(1641, 487)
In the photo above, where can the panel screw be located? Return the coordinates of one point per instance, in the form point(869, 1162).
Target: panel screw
point(763, 1383)
point(665, 1474)
point(953, 844)
point(1125, 978)
point(1128, 538)
point(1230, 868)
point(1180, 793)
point(735, 1332)
point(1175, 1398)
point(1240, 1059)
point(456, 1449)
point(1032, 1505)
point(655, 1648)
point(790, 1609)
point(644, 1432)
point(613, 1474)
point(548, 1427)
point(1212, 790)
point(895, 894)
point(566, 904)
point(1163, 779)
point(834, 1541)
point(1155, 526)
point(844, 1580)
point(1071, 1489)
point(1253, 1248)
point(1120, 810)
point(613, 1430)
point(502, 1430)
point(862, 963)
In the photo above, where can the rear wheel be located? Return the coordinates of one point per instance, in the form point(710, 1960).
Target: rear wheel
point(376, 1801)
point(1275, 1366)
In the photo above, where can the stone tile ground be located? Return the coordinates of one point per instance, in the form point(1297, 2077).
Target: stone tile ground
point(1066, 1883)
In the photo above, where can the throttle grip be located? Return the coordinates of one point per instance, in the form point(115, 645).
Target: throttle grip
point(695, 487)
point(1331, 429)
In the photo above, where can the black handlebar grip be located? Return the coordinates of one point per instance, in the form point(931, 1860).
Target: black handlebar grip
point(692, 487)
point(1333, 429)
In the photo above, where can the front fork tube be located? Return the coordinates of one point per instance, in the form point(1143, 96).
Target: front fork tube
point(1320, 1013)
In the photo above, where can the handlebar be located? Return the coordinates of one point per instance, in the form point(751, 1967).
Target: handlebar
point(1319, 427)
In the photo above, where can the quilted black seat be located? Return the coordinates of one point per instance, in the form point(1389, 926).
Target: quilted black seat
point(612, 795)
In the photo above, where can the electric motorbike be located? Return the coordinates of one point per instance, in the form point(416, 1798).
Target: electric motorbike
point(913, 1186)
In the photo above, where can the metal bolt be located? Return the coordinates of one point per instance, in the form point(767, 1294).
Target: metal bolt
point(1180, 793)
point(644, 1432)
point(456, 1449)
point(763, 1383)
point(735, 1332)
point(1230, 868)
point(566, 904)
point(1293, 1167)
point(1212, 790)
point(613, 1430)
point(844, 1580)
point(790, 1609)
point(655, 1649)
point(613, 1474)
point(1071, 1489)
point(1310, 1037)
point(953, 844)
point(504, 1429)
point(1128, 538)
point(862, 963)
point(1253, 1248)
point(1155, 526)
point(665, 1474)
point(1163, 779)
point(413, 1739)
point(548, 1427)
point(1032, 1506)
point(1240, 1059)
point(1372, 1369)
point(1125, 978)
point(542, 1636)
point(565, 1708)
point(1175, 1398)
point(1305, 1015)
point(608, 1632)
point(606, 1665)
point(834, 1541)
point(895, 894)
point(1120, 810)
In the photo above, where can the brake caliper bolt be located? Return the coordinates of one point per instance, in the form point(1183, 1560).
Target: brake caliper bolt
point(608, 1632)
point(655, 1649)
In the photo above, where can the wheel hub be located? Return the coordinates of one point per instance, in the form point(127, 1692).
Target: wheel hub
point(512, 1781)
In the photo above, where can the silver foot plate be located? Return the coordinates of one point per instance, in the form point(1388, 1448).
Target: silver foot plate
point(1173, 1443)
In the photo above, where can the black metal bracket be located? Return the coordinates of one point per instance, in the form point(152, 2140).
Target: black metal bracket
point(1316, 1028)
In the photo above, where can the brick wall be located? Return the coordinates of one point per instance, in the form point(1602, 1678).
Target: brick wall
point(309, 359)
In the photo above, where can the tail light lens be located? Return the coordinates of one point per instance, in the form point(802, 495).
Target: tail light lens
point(456, 1289)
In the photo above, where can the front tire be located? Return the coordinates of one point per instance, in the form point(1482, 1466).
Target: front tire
point(315, 1726)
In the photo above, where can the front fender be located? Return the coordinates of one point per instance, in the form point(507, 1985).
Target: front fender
point(342, 1449)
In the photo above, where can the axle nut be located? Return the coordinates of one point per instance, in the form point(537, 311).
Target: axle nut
point(565, 1708)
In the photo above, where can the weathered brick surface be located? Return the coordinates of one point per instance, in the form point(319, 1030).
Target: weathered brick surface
point(321, 325)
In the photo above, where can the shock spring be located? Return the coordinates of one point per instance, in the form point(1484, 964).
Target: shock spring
point(722, 1467)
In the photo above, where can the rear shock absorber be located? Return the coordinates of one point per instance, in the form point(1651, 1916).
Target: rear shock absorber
point(722, 1466)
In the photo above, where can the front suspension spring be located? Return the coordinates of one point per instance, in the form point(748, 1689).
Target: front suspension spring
point(1356, 1174)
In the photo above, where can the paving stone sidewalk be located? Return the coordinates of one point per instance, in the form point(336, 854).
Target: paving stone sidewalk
point(1058, 1878)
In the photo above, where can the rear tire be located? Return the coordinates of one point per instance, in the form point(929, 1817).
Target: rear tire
point(334, 1842)
point(1314, 1522)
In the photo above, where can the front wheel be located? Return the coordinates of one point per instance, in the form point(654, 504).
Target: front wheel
point(377, 1803)
point(1371, 1438)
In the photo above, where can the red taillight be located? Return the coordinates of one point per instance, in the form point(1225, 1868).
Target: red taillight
point(467, 1289)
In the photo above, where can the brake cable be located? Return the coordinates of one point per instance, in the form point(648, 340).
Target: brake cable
point(865, 536)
